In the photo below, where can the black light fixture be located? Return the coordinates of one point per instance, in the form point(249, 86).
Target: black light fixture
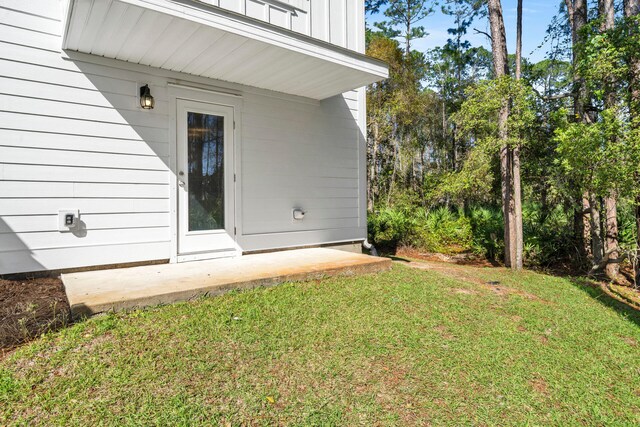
point(146, 100)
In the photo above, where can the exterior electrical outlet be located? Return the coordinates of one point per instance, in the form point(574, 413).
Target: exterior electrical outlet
point(68, 219)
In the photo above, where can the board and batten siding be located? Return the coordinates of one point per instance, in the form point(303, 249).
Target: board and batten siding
point(72, 136)
point(333, 21)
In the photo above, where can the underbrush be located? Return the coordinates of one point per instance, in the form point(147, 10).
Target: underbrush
point(548, 232)
point(439, 230)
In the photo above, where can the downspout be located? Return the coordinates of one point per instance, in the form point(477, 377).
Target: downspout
point(368, 246)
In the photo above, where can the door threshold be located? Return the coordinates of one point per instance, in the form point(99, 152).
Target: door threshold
point(207, 255)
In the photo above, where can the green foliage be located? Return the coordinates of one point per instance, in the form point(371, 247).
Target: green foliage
point(389, 228)
point(433, 137)
point(444, 231)
point(548, 236)
point(478, 115)
point(8, 385)
point(402, 17)
point(548, 232)
point(602, 156)
point(409, 224)
point(602, 59)
point(488, 231)
point(471, 184)
point(600, 152)
point(626, 225)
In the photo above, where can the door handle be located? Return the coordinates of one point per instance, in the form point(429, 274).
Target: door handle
point(181, 183)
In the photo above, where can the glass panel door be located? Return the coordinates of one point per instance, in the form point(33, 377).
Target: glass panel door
point(205, 179)
point(205, 140)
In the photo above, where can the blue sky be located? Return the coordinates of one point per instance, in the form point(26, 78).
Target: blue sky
point(536, 17)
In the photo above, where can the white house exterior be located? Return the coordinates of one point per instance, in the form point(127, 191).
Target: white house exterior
point(259, 116)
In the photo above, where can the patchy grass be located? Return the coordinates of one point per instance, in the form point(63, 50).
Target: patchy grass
point(456, 345)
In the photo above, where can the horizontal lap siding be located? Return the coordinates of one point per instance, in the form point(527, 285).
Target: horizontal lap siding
point(300, 156)
point(117, 253)
point(73, 137)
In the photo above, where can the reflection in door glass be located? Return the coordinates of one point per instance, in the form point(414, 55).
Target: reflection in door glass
point(205, 133)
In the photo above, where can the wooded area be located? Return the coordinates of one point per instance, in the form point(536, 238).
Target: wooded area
point(485, 152)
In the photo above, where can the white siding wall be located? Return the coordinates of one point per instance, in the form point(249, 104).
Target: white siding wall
point(297, 155)
point(64, 143)
point(72, 136)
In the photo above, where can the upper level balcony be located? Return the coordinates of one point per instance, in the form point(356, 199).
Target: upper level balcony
point(269, 44)
point(339, 22)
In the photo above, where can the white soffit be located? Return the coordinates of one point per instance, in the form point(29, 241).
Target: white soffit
point(194, 38)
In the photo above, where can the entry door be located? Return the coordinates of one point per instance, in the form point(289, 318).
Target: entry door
point(205, 179)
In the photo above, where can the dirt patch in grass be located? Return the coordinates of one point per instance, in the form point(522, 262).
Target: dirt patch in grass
point(29, 308)
point(465, 276)
point(464, 258)
point(464, 291)
point(540, 385)
point(544, 339)
point(444, 332)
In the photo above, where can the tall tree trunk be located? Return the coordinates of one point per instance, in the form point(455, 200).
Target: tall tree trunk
point(637, 278)
point(577, 10)
point(517, 210)
point(517, 187)
point(519, 40)
point(459, 68)
point(407, 46)
point(632, 11)
point(612, 269)
point(394, 173)
point(578, 233)
point(501, 69)
point(586, 221)
point(595, 226)
point(578, 14)
point(498, 39)
point(507, 199)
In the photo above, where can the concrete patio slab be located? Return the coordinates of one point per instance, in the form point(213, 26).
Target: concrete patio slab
point(92, 292)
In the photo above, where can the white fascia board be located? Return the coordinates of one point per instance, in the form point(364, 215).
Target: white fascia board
point(252, 28)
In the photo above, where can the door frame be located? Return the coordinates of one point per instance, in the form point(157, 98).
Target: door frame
point(214, 97)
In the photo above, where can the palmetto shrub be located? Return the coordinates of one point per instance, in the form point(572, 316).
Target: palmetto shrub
point(390, 227)
point(438, 230)
point(548, 232)
point(488, 231)
point(443, 230)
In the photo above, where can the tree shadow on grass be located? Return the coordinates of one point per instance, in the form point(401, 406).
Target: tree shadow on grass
point(398, 259)
point(593, 289)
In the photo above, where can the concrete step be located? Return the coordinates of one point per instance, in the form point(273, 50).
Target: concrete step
point(92, 292)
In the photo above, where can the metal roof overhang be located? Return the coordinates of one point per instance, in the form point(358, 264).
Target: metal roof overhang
point(194, 38)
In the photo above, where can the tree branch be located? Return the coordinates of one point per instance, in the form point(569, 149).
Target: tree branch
point(608, 260)
point(552, 97)
point(483, 33)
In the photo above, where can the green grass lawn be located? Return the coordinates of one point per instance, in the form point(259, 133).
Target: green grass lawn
point(406, 347)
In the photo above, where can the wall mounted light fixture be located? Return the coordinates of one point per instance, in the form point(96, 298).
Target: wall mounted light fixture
point(146, 100)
